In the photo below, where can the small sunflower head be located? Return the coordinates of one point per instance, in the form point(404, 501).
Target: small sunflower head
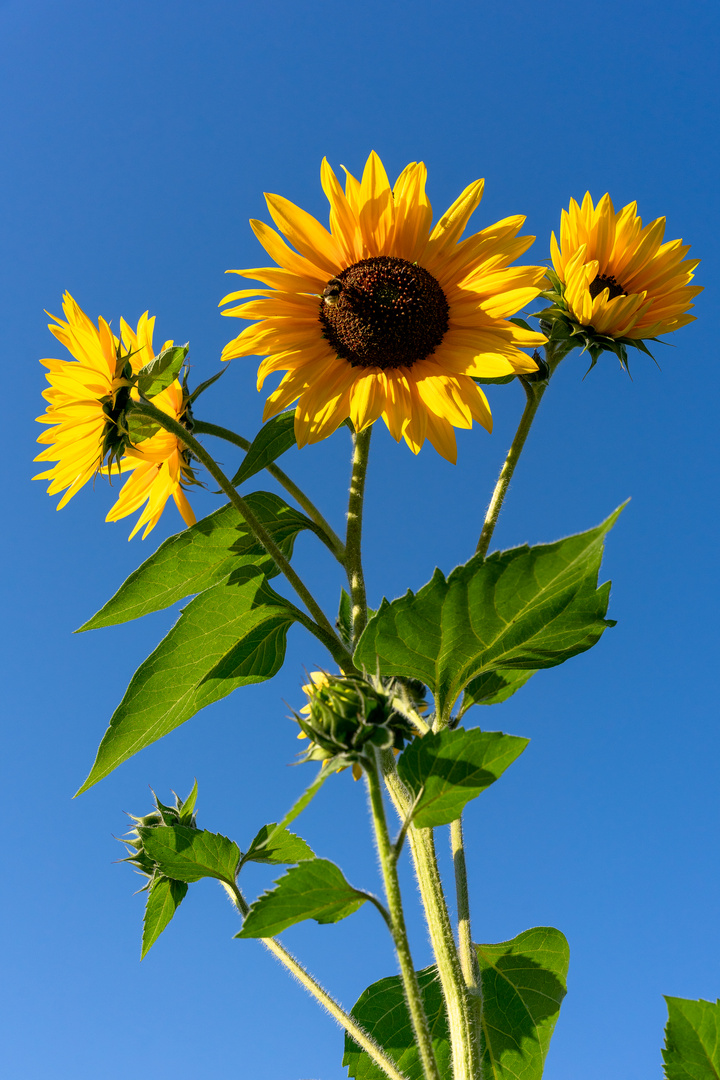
point(182, 813)
point(614, 284)
point(347, 715)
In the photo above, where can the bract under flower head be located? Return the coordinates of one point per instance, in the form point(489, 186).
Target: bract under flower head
point(615, 283)
point(346, 715)
point(384, 315)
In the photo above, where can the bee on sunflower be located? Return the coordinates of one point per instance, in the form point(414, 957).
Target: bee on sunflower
point(384, 315)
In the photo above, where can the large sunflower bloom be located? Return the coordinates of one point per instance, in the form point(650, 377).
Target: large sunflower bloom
point(81, 398)
point(159, 465)
point(619, 279)
point(384, 316)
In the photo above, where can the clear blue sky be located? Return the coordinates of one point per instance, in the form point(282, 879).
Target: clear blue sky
point(137, 140)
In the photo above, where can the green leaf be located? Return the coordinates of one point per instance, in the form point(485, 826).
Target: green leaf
point(493, 687)
point(284, 847)
point(692, 1040)
point(382, 1011)
point(499, 380)
point(273, 439)
point(141, 427)
point(526, 608)
point(523, 985)
point(164, 898)
point(190, 854)
point(231, 635)
point(453, 767)
point(162, 371)
point(315, 889)
point(201, 556)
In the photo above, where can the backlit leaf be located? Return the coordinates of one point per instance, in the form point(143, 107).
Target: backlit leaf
point(190, 854)
point(315, 889)
point(527, 608)
point(692, 1040)
point(452, 767)
point(164, 898)
point(201, 556)
point(231, 635)
point(272, 440)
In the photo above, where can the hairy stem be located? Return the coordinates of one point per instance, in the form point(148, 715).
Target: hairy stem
point(353, 557)
point(319, 625)
point(534, 392)
point(388, 865)
point(461, 1008)
point(371, 1048)
point(333, 541)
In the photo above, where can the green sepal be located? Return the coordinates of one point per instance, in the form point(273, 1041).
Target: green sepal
point(205, 385)
point(499, 380)
point(492, 688)
point(343, 622)
point(232, 635)
point(202, 556)
point(272, 440)
point(188, 855)
point(444, 771)
point(382, 1012)
point(527, 608)
point(162, 371)
point(164, 898)
point(692, 1040)
point(284, 847)
point(523, 984)
point(315, 889)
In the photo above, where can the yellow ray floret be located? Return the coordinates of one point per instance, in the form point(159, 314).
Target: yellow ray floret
point(384, 315)
point(80, 392)
point(619, 278)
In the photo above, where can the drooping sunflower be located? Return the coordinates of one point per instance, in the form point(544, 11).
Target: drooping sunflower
point(383, 315)
point(84, 396)
point(617, 282)
point(159, 465)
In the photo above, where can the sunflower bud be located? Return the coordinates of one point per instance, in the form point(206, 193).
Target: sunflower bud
point(346, 715)
point(182, 813)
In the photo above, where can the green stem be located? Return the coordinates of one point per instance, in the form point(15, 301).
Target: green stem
point(466, 951)
point(388, 865)
point(353, 556)
point(460, 1004)
point(333, 541)
point(534, 392)
point(320, 627)
point(371, 1048)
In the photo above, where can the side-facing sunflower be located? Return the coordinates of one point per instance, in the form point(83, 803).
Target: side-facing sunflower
point(384, 315)
point(159, 465)
point(87, 399)
point(615, 282)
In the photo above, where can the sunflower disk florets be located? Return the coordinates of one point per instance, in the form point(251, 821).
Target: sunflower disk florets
point(347, 715)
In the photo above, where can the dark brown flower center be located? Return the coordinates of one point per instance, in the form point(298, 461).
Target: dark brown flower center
point(383, 312)
point(601, 282)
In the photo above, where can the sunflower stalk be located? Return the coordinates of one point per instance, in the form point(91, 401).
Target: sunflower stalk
point(353, 555)
point(344, 1019)
point(461, 1006)
point(388, 865)
point(319, 625)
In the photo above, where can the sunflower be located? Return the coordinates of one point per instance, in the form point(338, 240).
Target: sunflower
point(616, 281)
point(85, 400)
point(160, 464)
point(384, 316)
